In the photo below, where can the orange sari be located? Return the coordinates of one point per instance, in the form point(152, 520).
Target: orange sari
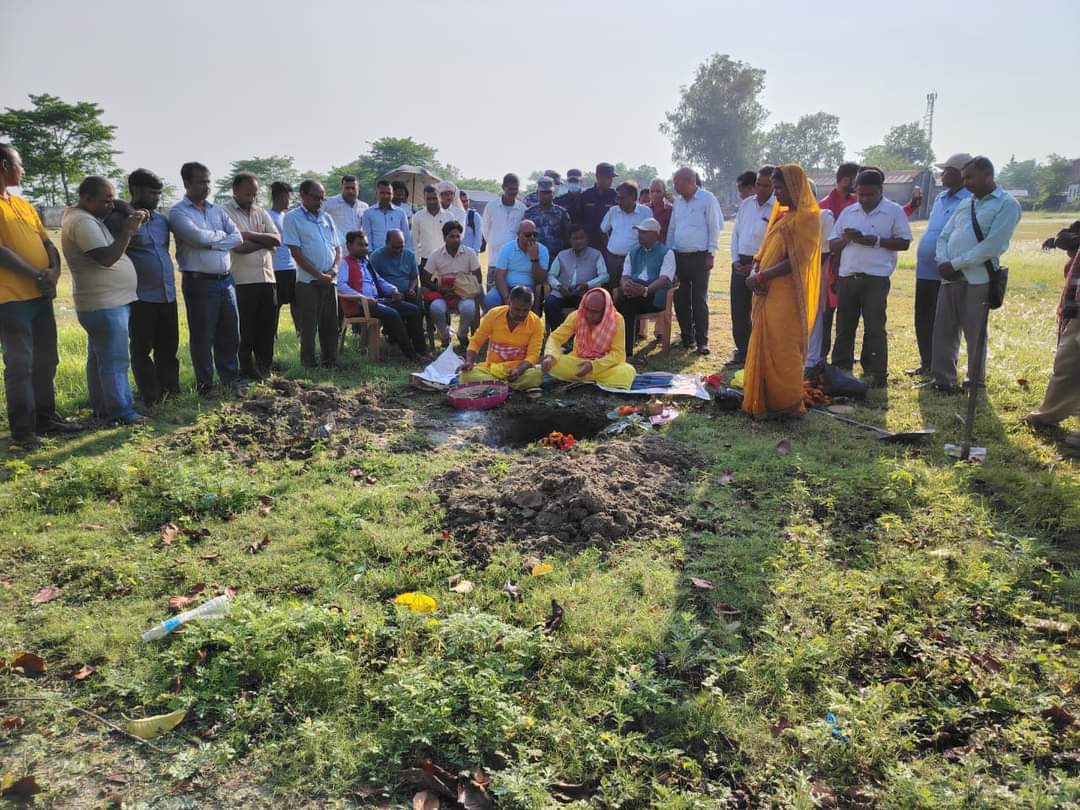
point(773, 378)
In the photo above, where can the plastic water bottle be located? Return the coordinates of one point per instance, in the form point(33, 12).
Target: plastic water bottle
point(216, 608)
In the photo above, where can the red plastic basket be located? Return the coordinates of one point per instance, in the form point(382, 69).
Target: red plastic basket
point(478, 396)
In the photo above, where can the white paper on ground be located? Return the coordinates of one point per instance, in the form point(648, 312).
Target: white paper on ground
point(974, 454)
point(443, 369)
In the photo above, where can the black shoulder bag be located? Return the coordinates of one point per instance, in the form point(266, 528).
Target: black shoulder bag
point(999, 277)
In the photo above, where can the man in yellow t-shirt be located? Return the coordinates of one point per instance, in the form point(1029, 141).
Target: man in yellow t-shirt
point(514, 336)
point(29, 270)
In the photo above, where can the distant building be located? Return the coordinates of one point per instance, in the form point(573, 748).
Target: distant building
point(479, 199)
point(898, 187)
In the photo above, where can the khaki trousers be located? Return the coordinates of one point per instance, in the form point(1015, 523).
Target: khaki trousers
point(961, 308)
point(1062, 398)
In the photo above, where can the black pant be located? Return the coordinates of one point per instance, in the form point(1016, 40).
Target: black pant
point(926, 295)
point(863, 297)
point(316, 306)
point(692, 297)
point(28, 338)
point(741, 304)
point(553, 309)
point(826, 328)
point(630, 308)
point(402, 322)
point(154, 329)
point(257, 304)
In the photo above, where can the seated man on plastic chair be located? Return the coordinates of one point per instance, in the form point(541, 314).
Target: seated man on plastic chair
point(598, 355)
point(522, 262)
point(513, 334)
point(647, 274)
point(358, 279)
point(453, 283)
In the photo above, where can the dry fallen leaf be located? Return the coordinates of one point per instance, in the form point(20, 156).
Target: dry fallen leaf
point(45, 595)
point(196, 534)
point(181, 786)
point(783, 447)
point(29, 663)
point(179, 603)
point(701, 584)
point(724, 609)
point(91, 526)
point(266, 500)
point(84, 672)
point(472, 796)
point(13, 722)
point(1022, 383)
point(259, 545)
point(778, 728)
point(481, 777)
point(149, 727)
point(208, 557)
point(1059, 716)
point(265, 510)
point(462, 586)
point(168, 533)
point(555, 620)
point(229, 517)
point(425, 800)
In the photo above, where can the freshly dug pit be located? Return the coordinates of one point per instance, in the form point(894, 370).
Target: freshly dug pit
point(283, 419)
point(625, 489)
point(521, 426)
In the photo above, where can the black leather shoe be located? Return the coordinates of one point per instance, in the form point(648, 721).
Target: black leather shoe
point(56, 425)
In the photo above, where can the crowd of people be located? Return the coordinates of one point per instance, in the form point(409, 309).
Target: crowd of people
point(570, 269)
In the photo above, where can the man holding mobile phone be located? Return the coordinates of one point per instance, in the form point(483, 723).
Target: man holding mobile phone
point(867, 236)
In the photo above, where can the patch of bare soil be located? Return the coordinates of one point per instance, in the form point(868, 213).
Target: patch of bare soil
point(284, 419)
point(625, 489)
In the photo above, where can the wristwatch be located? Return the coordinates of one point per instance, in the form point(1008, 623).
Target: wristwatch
point(877, 241)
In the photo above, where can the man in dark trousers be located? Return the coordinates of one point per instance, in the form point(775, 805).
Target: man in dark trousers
point(595, 202)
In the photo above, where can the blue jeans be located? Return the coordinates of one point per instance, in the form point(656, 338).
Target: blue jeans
point(214, 329)
point(28, 338)
point(107, 362)
point(492, 299)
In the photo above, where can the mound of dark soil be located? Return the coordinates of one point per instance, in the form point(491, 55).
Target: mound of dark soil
point(626, 489)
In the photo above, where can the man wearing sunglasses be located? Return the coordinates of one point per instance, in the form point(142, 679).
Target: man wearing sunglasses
point(522, 262)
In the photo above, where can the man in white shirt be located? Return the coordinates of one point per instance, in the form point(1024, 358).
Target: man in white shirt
point(867, 236)
point(346, 208)
point(427, 226)
point(501, 220)
point(448, 200)
point(617, 226)
point(694, 235)
point(750, 223)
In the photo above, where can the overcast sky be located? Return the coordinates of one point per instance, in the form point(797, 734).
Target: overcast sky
point(510, 86)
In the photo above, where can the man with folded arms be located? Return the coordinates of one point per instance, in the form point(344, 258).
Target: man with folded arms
point(205, 237)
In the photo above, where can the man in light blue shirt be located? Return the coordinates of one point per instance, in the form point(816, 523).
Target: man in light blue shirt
point(313, 241)
point(927, 278)
point(204, 236)
point(473, 238)
point(963, 303)
point(694, 235)
point(378, 220)
point(522, 262)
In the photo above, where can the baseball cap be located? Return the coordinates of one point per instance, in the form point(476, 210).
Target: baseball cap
point(606, 169)
point(545, 184)
point(649, 224)
point(573, 174)
point(957, 161)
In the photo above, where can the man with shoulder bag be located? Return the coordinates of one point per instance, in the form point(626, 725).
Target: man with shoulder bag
point(973, 280)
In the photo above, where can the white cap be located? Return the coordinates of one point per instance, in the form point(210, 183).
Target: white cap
point(649, 224)
point(957, 161)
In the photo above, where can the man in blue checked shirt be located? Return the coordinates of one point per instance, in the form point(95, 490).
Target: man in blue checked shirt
point(927, 277)
point(204, 236)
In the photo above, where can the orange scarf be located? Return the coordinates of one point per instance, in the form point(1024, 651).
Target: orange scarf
point(593, 342)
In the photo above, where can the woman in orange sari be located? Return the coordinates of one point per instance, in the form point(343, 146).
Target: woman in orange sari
point(785, 282)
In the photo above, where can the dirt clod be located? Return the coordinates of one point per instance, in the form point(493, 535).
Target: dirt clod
point(624, 490)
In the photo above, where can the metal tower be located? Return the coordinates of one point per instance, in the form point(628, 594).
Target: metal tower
point(928, 123)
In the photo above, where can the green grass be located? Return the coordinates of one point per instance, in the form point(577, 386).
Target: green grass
point(898, 590)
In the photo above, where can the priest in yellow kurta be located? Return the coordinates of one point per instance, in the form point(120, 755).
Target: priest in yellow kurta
point(599, 353)
point(514, 335)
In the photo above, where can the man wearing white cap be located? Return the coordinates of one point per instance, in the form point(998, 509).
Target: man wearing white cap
point(927, 277)
point(648, 272)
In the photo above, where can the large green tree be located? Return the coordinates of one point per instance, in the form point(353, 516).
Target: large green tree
point(267, 169)
point(717, 123)
point(813, 142)
point(1019, 175)
point(60, 144)
point(1052, 177)
point(905, 146)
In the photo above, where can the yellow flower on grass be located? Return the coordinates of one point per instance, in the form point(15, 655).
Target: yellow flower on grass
point(417, 602)
point(542, 569)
